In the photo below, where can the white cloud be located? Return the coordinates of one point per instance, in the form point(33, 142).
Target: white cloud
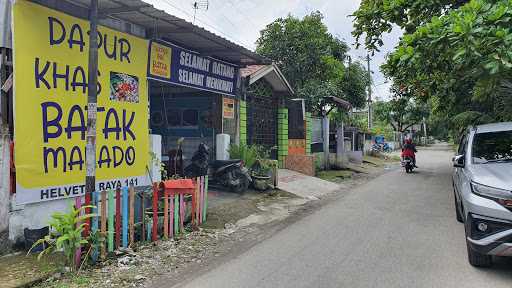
point(241, 20)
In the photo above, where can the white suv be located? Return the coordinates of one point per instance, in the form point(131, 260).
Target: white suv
point(482, 182)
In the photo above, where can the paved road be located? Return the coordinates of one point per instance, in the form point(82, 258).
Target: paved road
point(395, 231)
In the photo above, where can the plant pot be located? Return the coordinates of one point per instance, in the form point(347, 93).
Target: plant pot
point(260, 182)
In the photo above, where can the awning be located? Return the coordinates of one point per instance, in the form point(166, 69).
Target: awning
point(271, 73)
point(158, 24)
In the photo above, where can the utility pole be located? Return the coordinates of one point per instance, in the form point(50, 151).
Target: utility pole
point(92, 84)
point(369, 93)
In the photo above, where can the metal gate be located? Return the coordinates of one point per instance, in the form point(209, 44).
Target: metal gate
point(261, 115)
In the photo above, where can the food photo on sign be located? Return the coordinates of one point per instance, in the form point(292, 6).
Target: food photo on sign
point(124, 87)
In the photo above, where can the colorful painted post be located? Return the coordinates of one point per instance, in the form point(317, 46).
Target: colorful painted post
point(103, 222)
point(200, 200)
point(125, 217)
point(205, 204)
point(111, 210)
point(148, 229)
point(132, 215)
point(78, 252)
point(166, 214)
point(181, 212)
point(195, 208)
point(94, 225)
point(176, 214)
point(118, 218)
point(154, 235)
point(143, 215)
point(87, 202)
point(171, 215)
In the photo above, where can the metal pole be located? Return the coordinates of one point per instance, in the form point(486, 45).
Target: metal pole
point(369, 93)
point(90, 158)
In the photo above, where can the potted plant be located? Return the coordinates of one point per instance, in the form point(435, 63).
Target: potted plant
point(261, 174)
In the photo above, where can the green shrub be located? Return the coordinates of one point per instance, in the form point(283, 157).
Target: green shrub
point(65, 234)
point(248, 154)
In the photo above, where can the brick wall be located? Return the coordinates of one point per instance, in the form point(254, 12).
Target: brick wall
point(296, 146)
point(304, 164)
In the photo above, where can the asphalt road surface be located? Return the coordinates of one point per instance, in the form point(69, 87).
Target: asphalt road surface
point(397, 230)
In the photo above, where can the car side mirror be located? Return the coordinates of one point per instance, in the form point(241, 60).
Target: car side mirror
point(458, 161)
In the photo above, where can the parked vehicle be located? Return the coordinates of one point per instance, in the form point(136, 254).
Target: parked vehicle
point(482, 182)
point(408, 164)
point(228, 173)
point(381, 145)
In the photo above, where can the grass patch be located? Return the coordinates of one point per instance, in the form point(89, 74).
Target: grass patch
point(335, 175)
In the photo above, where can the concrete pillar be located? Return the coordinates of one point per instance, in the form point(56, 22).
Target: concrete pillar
point(4, 176)
point(340, 145)
point(309, 130)
point(243, 122)
point(282, 136)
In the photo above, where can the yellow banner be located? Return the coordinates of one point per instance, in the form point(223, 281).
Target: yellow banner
point(50, 85)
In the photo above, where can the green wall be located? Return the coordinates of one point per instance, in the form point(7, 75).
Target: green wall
point(282, 135)
point(309, 131)
point(243, 122)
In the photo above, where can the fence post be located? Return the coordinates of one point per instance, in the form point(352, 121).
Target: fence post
point(78, 252)
point(118, 218)
point(111, 210)
point(205, 204)
point(125, 217)
point(132, 214)
point(155, 212)
point(94, 227)
point(103, 222)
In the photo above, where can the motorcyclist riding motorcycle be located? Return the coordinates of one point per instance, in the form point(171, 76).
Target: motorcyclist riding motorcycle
point(409, 150)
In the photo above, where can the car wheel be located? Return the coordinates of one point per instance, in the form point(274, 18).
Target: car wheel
point(457, 210)
point(477, 259)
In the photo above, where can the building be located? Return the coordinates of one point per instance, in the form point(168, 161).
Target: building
point(160, 79)
point(272, 117)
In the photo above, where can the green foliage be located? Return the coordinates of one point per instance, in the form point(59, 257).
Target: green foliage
point(455, 55)
point(461, 61)
point(65, 234)
point(401, 112)
point(312, 60)
point(377, 17)
point(247, 153)
point(156, 162)
point(263, 166)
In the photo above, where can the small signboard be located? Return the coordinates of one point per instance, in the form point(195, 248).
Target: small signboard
point(160, 60)
point(172, 64)
point(228, 108)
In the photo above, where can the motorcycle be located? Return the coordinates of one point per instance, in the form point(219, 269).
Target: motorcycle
point(407, 163)
point(228, 173)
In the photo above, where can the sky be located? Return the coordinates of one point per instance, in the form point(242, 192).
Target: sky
point(242, 20)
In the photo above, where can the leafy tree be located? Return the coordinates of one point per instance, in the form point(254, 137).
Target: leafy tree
point(376, 17)
point(401, 112)
point(312, 60)
point(456, 56)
